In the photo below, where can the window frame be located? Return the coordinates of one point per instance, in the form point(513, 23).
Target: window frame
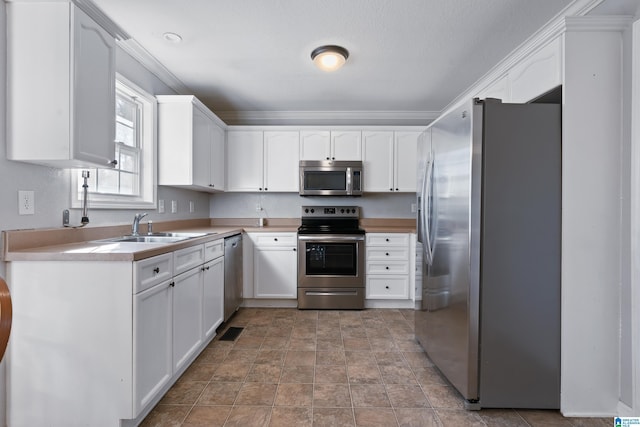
point(147, 199)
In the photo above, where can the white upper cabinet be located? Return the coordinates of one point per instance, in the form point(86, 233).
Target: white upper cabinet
point(262, 161)
point(378, 160)
point(330, 145)
point(244, 160)
point(60, 86)
point(190, 144)
point(390, 160)
point(281, 157)
point(537, 74)
point(405, 158)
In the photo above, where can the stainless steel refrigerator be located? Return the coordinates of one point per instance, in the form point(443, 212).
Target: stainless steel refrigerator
point(489, 224)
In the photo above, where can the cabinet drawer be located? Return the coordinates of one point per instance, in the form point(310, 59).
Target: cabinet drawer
point(187, 258)
point(151, 271)
point(387, 287)
point(389, 254)
point(213, 250)
point(273, 239)
point(387, 239)
point(391, 267)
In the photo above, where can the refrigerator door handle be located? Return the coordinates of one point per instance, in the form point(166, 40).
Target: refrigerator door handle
point(426, 212)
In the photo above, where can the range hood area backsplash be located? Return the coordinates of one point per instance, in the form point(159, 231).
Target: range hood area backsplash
point(287, 205)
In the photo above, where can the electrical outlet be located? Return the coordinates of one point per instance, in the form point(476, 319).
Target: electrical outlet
point(160, 206)
point(174, 206)
point(192, 206)
point(26, 202)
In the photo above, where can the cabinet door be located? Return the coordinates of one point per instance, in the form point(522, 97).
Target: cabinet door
point(405, 161)
point(244, 161)
point(217, 158)
point(275, 272)
point(93, 91)
point(201, 149)
point(281, 159)
point(187, 316)
point(378, 161)
point(346, 145)
point(315, 145)
point(152, 343)
point(212, 296)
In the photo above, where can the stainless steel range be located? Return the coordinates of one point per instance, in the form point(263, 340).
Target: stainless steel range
point(331, 258)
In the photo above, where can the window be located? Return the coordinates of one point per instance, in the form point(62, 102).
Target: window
point(131, 184)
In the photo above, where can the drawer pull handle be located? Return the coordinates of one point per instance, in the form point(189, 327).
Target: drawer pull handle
point(156, 270)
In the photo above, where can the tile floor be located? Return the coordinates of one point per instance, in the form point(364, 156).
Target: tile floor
point(326, 368)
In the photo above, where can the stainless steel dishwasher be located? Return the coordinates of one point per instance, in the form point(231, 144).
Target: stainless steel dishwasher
point(232, 275)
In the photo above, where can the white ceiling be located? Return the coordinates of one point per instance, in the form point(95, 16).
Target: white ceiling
point(249, 60)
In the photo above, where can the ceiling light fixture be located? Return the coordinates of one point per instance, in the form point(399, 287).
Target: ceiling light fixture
point(172, 37)
point(330, 57)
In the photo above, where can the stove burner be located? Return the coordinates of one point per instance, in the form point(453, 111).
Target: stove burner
point(330, 220)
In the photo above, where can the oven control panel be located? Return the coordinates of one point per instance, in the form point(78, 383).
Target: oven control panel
point(331, 211)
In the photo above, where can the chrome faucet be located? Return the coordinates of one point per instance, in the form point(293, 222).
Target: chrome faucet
point(136, 223)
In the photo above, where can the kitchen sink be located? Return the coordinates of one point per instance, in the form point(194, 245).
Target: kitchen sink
point(155, 238)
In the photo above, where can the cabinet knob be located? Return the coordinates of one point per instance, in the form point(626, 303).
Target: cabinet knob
point(391, 189)
point(260, 188)
point(113, 163)
point(275, 239)
point(265, 188)
point(386, 287)
point(327, 158)
point(333, 158)
point(156, 270)
point(211, 185)
point(386, 240)
point(294, 249)
point(387, 254)
point(172, 284)
point(386, 268)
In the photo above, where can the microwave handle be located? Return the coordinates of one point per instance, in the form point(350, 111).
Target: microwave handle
point(349, 183)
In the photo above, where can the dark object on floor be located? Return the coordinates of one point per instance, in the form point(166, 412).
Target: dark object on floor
point(231, 334)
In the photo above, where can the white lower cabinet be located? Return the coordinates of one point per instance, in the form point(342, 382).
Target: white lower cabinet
point(275, 265)
point(153, 345)
point(388, 265)
point(213, 296)
point(107, 338)
point(187, 316)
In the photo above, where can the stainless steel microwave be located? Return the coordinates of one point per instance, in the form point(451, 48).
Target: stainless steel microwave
point(330, 178)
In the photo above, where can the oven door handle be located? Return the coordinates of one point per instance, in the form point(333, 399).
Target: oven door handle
point(330, 293)
point(331, 238)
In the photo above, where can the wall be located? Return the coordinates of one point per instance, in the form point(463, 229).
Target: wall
point(287, 205)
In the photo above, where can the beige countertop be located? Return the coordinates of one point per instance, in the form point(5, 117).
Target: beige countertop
point(86, 244)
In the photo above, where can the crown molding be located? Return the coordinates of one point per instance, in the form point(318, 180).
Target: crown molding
point(148, 61)
point(615, 23)
point(408, 118)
